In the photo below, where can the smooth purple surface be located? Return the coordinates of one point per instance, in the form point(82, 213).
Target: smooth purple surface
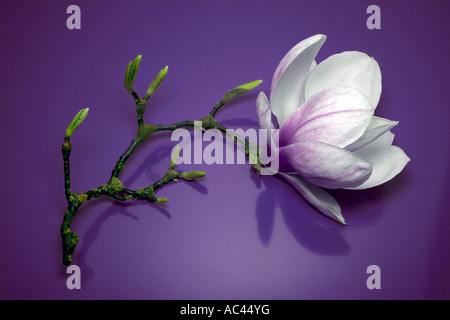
point(232, 235)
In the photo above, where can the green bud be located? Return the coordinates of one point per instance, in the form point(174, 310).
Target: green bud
point(158, 80)
point(161, 200)
point(175, 156)
point(230, 95)
point(77, 120)
point(131, 72)
point(192, 175)
point(254, 153)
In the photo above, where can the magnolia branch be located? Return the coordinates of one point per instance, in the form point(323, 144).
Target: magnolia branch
point(114, 188)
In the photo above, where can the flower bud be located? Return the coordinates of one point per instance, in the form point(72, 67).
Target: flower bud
point(240, 90)
point(175, 156)
point(155, 84)
point(254, 152)
point(192, 175)
point(76, 121)
point(131, 72)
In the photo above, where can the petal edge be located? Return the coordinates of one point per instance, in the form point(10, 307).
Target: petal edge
point(351, 68)
point(289, 77)
point(316, 196)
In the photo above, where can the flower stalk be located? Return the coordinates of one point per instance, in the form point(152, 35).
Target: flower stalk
point(114, 188)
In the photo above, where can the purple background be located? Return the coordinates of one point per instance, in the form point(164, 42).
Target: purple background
point(232, 235)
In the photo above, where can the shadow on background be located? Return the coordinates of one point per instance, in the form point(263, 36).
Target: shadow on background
point(366, 207)
point(309, 228)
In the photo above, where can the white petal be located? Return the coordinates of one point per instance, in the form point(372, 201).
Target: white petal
point(350, 68)
point(316, 196)
point(289, 77)
point(386, 139)
point(337, 116)
point(377, 127)
point(302, 91)
point(387, 161)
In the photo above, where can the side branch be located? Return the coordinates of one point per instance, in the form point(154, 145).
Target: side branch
point(114, 188)
point(173, 127)
point(66, 149)
point(124, 157)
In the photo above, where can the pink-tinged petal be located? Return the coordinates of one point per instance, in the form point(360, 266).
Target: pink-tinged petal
point(377, 127)
point(327, 166)
point(268, 153)
point(387, 161)
point(284, 162)
point(289, 77)
point(337, 116)
point(316, 196)
point(263, 112)
point(351, 68)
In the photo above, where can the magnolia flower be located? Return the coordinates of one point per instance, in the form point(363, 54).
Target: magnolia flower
point(328, 135)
